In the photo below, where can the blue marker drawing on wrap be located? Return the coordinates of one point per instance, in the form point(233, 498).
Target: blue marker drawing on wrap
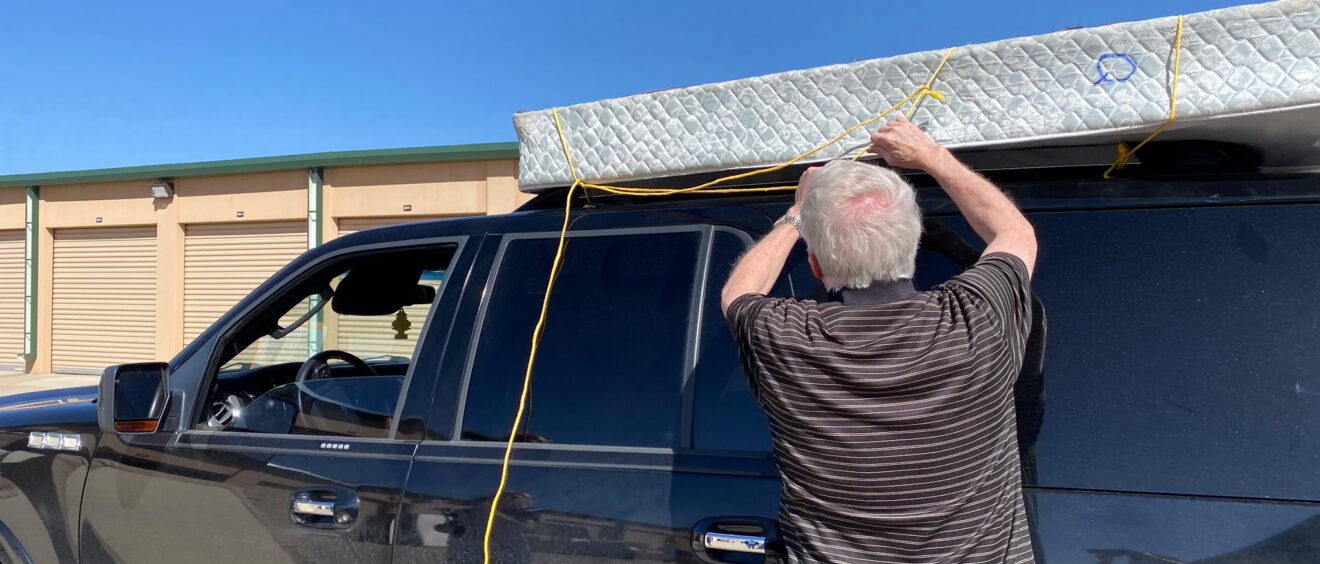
point(1104, 75)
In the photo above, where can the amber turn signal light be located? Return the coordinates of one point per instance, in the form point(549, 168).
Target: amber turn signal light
point(144, 426)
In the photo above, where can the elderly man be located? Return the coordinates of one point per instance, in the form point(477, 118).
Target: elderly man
point(891, 409)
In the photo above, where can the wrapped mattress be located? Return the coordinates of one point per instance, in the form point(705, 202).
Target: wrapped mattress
point(1248, 74)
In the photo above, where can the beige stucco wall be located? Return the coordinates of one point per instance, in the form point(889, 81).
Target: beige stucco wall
point(424, 190)
point(270, 196)
point(12, 208)
point(502, 195)
point(372, 191)
point(80, 205)
point(444, 189)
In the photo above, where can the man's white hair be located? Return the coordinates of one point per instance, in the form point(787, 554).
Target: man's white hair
point(862, 222)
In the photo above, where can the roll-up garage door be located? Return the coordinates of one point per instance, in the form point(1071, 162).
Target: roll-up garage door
point(222, 263)
point(104, 298)
point(11, 298)
point(378, 336)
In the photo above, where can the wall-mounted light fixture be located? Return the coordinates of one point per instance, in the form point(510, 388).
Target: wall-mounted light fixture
point(162, 189)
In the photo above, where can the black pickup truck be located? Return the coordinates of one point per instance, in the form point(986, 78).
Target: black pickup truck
point(353, 408)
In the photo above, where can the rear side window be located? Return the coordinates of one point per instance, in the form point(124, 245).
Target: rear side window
point(726, 416)
point(610, 366)
point(1182, 350)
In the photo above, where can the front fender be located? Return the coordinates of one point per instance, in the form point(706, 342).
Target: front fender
point(41, 489)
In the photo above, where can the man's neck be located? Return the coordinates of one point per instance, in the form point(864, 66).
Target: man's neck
point(879, 292)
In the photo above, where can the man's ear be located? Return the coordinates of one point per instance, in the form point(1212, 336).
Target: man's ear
point(815, 265)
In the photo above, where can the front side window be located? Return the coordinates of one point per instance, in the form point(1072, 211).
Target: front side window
point(330, 358)
point(610, 365)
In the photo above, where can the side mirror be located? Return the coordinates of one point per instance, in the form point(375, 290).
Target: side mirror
point(133, 397)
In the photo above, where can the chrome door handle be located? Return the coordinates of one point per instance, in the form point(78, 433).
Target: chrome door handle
point(312, 507)
point(324, 507)
point(735, 543)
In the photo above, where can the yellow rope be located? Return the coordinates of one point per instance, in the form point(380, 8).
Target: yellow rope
point(914, 97)
point(925, 91)
point(527, 377)
point(704, 188)
point(1123, 152)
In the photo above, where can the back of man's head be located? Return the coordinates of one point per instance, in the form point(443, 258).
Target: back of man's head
point(862, 224)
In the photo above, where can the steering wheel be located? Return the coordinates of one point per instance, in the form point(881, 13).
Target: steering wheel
point(316, 367)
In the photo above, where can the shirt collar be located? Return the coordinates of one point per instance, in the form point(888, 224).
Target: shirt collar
point(879, 292)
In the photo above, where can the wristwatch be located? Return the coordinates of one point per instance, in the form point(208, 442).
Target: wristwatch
point(791, 220)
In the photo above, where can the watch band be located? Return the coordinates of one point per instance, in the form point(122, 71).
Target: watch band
point(791, 220)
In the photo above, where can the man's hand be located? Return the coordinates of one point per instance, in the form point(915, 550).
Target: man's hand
point(801, 193)
point(902, 144)
point(990, 213)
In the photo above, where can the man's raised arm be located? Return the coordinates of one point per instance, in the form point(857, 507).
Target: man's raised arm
point(991, 214)
point(758, 270)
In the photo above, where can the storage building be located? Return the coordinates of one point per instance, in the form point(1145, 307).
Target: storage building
point(107, 266)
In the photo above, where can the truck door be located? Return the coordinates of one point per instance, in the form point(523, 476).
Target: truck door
point(609, 467)
point(312, 398)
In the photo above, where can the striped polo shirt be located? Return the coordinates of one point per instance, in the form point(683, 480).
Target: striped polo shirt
point(892, 416)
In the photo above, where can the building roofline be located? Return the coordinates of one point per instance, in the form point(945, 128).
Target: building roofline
point(439, 153)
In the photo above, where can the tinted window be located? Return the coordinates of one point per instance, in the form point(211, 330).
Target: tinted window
point(727, 417)
point(932, 269)
point(1182, 350)
point(269, 380)
point(610, 365)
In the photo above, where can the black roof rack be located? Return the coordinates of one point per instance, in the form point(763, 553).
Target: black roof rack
point(1075, 162)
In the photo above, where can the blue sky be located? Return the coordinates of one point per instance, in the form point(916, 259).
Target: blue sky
point(105, 84)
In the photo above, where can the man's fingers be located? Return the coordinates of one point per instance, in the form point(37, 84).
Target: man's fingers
point(805, 179)
point(884, 140)
point(885, 154)
point(806, 174)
